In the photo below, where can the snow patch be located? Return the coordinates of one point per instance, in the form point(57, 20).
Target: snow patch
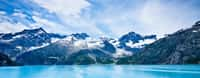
point(54, 40)
point(121, 53)
point(18, 36)
point(114, 42)
point(81, 44)
point(6, 41)
point(196, 30)
point(69, 38)
point(140, 44)
point(52, 57)
point(19, 47)
point(88, 44)
point(37, 47)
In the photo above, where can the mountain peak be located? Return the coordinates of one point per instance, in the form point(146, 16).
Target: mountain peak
point(37, 30)
point(132, 32)
point(131, 36)
point(197, 24)
point(80, 35)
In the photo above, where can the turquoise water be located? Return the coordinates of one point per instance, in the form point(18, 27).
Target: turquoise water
point(102, 71)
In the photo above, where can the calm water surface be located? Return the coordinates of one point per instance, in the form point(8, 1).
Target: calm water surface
point(102, 71)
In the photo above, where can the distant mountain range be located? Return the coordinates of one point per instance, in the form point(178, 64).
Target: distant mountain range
point(37, 47)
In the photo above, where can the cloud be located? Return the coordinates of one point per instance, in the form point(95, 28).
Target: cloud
point(2, 13)
point(161, 17)
point(19, 14)
point(64, 7)
point(7, 27)
point(145, 17)
point(69, 12)
point(104, 17)
point(49, 26)
point(112, 18)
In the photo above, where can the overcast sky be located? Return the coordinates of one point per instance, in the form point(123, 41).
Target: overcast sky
point(111, 18)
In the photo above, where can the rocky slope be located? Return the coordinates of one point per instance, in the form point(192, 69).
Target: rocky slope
point(134, 42)
point(181, 47)
point(6, 61)
point(70, 52)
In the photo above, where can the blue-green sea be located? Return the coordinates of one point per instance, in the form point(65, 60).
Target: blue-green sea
point(102, 71)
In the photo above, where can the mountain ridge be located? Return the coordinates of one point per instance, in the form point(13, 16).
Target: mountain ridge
point(36, 46)
point(181, 47)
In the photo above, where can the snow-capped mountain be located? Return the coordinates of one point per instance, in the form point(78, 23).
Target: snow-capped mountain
point(181, 47)
point(36, 46)
point(15, 43)
point(133, 41)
